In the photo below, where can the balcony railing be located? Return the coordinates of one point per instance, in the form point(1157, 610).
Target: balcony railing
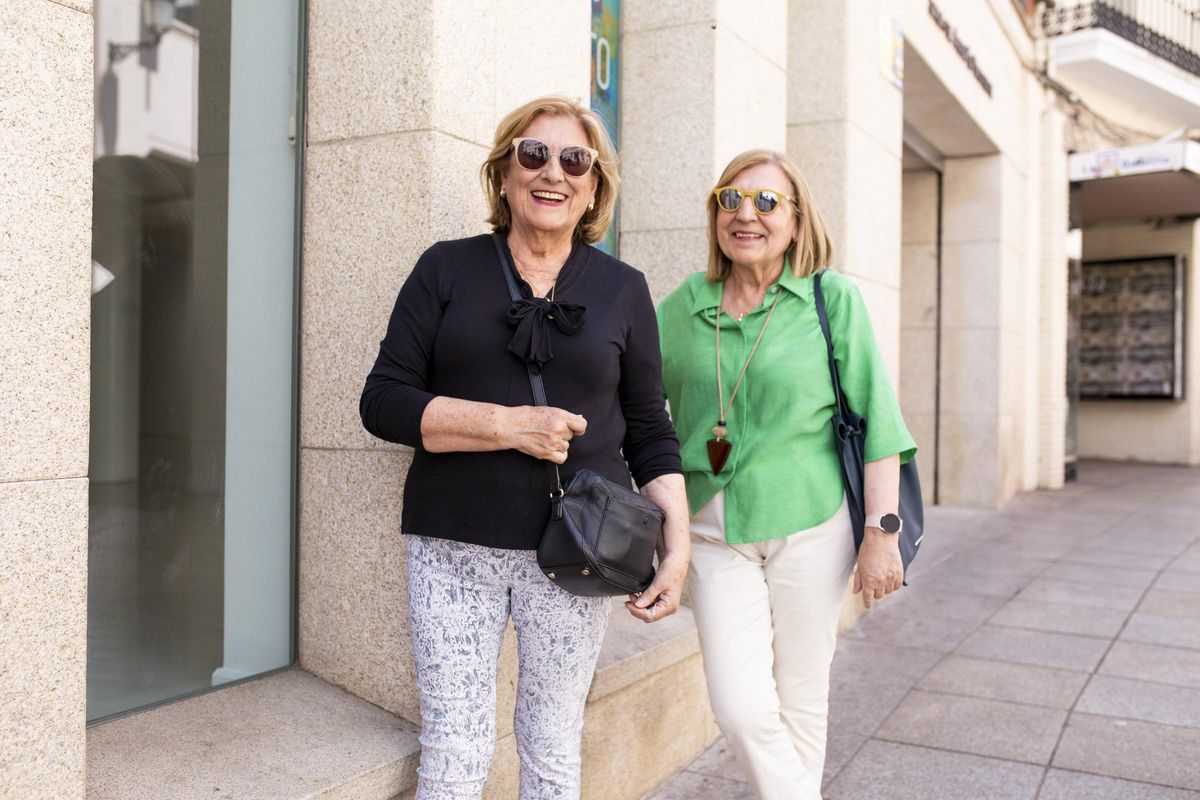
point(1170, 29)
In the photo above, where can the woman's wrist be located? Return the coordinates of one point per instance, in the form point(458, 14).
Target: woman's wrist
point(881, 536)
point(503, 425)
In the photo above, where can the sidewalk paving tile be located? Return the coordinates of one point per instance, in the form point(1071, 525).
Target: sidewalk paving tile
point(1177, 581)
point(1077, 523)
point(1188, 562)
point(1181, 512)
point(1063, 785)
point(1059, 618)
point(1162, 629)
point(1150, 534)
point(840, 747)
point(1151, 662)
point(1150, 702)
point(694, 786)
point(1105, 576)
point(1037, 648)
point(857, 706)
point(1105, 557)
point(1045, 539)
point(1138, 751)
point(869, 679)
point(912, 630)
point(1040, 547)
point(1119, 598)
point(997, 680)
point(1048, 525)
point(718, 762)
point(888, 771)
point(987, 561)
point(949, 579)
point(971, 725)
point(857, 661)
point(930, 601)
point(1172, 604)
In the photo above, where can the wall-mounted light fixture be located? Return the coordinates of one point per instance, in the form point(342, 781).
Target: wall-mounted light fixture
point(157, 16)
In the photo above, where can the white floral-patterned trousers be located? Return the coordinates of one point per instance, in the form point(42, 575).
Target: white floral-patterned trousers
point(460, 597)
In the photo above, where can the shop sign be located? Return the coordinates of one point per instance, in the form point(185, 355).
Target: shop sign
point(1156, 157)
point(891, 51)
point(963, 51)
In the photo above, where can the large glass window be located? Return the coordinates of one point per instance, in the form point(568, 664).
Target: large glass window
point(190, 577)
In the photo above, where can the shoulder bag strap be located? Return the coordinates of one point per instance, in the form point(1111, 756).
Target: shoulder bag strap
point(535, 379)
point(819, 296)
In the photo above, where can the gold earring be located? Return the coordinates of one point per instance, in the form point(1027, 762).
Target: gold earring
point(592, 206)
point(502, 192)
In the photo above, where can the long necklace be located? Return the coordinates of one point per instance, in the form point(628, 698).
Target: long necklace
point(720, 447)
point(549, 295)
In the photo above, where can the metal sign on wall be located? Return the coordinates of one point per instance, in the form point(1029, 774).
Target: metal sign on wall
point(1131, 329)
point(606, 36)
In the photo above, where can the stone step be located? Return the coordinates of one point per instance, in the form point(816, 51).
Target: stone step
point(293, 736)
point(287, 735)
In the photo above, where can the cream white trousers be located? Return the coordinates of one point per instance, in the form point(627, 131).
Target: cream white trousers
point(767, 615)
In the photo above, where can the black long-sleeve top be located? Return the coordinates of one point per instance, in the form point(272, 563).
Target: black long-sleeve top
point(449, 335)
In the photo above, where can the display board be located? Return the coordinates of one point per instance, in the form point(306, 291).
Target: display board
point(1131, 329)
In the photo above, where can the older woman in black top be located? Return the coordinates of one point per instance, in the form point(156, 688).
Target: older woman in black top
point(451, 381)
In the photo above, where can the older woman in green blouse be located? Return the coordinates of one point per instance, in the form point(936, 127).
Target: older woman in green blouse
point(746, 374)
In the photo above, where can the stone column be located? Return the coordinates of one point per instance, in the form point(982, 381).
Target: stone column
point(403, 100)
point(703, 81)
point(918, 331)
point(1052, 286)
point(983, 337)
point(845, 128)
point(45, 280)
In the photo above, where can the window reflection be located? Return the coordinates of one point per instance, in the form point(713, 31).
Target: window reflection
point(162, 250)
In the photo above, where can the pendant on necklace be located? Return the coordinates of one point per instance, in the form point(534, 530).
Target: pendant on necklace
point(719, 448)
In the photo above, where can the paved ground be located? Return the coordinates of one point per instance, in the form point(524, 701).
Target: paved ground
point(1049, 650)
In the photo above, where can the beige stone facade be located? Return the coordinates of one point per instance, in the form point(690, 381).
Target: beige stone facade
point(945, 188)
point(45, 219)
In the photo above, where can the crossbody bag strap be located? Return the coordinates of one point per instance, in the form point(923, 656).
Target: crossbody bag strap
point(819, 296)
point(535, 379)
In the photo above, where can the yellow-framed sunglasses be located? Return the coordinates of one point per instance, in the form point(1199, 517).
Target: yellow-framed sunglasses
point(765, 201)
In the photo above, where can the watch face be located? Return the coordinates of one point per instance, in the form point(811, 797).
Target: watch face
point(890, 523)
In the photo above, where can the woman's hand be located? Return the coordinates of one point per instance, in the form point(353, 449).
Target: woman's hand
point(880, 570)
point(543, 432)
point(661, 598)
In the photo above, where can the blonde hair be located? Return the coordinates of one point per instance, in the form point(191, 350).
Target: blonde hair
point(812, 248)
point(594, 222)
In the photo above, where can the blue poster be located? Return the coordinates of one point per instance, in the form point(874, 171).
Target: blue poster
point(606, 36)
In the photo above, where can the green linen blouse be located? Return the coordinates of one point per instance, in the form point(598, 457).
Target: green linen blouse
point(782, 474)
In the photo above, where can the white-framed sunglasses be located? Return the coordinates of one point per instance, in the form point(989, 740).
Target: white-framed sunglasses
point(533, 155)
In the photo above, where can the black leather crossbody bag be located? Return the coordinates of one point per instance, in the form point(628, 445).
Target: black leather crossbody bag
point(850, 434)
point(601, 536)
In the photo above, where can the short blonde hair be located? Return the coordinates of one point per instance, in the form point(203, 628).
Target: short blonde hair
point(593, 224)
point(812, 249)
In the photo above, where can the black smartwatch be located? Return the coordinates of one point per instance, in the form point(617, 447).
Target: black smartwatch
point(888, 523)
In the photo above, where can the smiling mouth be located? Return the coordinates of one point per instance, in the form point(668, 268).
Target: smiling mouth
point(549, 197)
point(747, 237)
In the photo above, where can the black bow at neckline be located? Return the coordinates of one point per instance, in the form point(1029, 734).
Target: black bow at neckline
point(531, 316)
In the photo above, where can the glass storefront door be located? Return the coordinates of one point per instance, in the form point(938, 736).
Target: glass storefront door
point(190, 576)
